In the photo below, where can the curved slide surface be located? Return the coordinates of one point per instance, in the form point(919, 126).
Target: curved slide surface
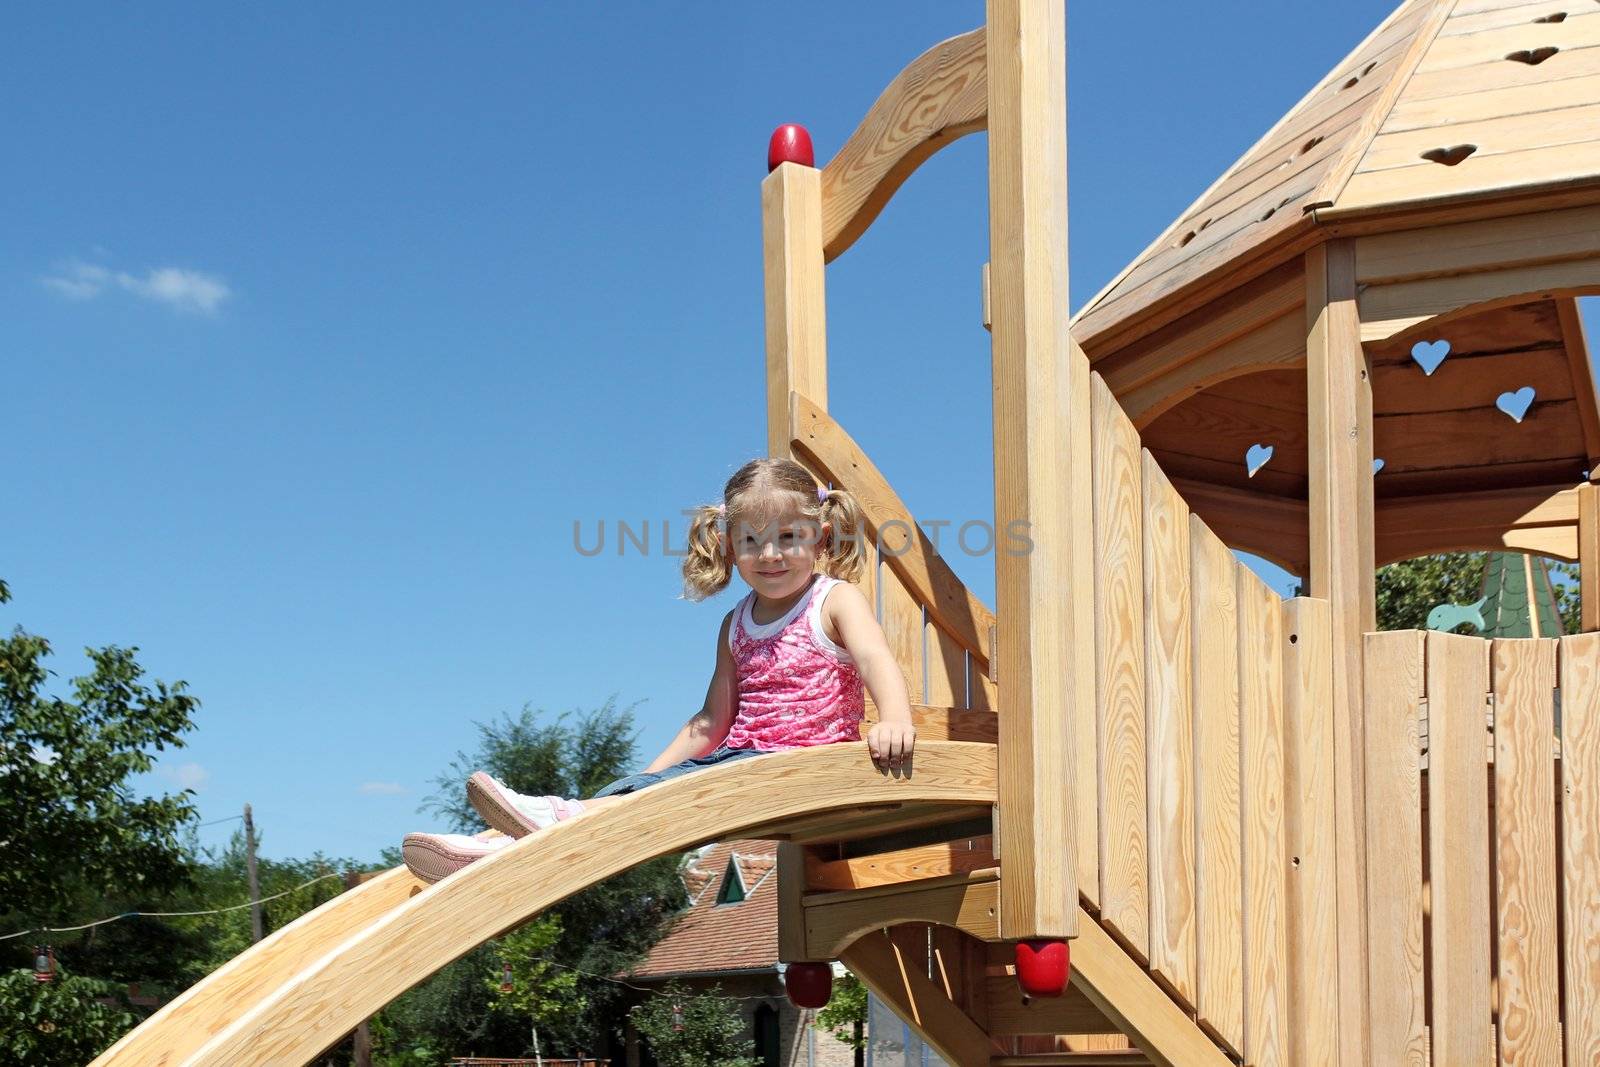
point(309, 984)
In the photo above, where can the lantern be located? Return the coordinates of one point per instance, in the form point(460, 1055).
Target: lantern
point(809, 984)
point(506, 984)
point(677, 1016)
point(44, 964)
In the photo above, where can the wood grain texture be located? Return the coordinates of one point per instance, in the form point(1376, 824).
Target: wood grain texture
point(1219, 943)
point(1580, 845)
point(1458, 849)
point(939, 97)
point(1011, 1013)
point(902, 628)
point(1339, 435)
point(1524, 681)
point(884, 969)
point(795, 295)
point(1119, 672)
point(1135, 1004)
point(206, 1008)
point(1044, 606)
point(967, 901)
point(792, 879)
point(901, 865)
point(1263, 915)
point(1484, 244)
point(354, 977)
point(1589, 556)
point(944, 724)
point(1575, 340)
point(1169, 730)
point(1394, 685)
point(1308, 834)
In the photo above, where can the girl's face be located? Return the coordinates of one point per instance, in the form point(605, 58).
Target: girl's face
point(776, 549)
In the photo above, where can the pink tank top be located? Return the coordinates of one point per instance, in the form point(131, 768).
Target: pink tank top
point(796, 687)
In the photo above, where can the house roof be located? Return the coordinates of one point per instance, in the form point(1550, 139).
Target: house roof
point(709, 937)
point(1446, 101)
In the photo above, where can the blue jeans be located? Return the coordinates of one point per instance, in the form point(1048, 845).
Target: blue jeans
point(643, 780)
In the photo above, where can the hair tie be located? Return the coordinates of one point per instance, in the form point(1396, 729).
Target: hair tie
point(822, 493)
point(722, 511)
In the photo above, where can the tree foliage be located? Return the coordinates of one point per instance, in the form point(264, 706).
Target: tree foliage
point(73, 832)
point(69, 1020)
point(564, 962)
point(845, 1015)
point(694, 1030)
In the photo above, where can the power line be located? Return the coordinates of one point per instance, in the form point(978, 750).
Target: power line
point(164, 914)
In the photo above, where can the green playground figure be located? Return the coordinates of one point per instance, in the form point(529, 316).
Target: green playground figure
point(1519, 600)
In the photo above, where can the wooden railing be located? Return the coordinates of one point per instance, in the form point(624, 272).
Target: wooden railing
point(1483, 844)
point(1205, 763)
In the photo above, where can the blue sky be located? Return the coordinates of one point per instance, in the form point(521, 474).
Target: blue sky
point(321, 325)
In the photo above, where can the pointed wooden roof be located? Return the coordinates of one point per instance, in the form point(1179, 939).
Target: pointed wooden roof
point(1446, 101)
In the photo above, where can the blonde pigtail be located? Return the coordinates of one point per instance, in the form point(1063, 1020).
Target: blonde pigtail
point(707, 566)
point(845, 556)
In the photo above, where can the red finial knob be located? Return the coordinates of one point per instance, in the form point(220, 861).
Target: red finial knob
point(1042, 967)
point(809, 985)
point(790, 144)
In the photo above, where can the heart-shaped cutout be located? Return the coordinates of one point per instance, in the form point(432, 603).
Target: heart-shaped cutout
point(1449, 157)
point(1559, 16)
point(1533, 56)
point(1516, 404)
point(1429, 354)
point(1377, 465)
point(1256, 457)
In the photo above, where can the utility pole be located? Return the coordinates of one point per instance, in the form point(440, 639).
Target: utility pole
point(250, 870)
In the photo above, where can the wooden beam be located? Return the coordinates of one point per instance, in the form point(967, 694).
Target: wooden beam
point(1589, 556)
point(897, 981)
point(965, 902)
point(1487, 244)
point(1387, 310)
point(1342, 564)
point(792, 863)
point(1044, 596)
point(1576, 341)
point(900, 866)
point(797, 346)
point(1541, 518)
point(944, 724)
point(1011, 1013)
point(1308, 812)
point(1264, 524)
point(1278, 344)
point(1134, 1004)
point(937, 99)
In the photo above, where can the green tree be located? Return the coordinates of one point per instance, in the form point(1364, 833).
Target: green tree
point(1408, 590)
point(694, 1030)
point(845, 1015)
point(73, 832)
point(66, 1021)
point(563, 962)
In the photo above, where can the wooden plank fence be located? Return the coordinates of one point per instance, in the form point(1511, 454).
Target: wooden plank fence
point(1483, 839)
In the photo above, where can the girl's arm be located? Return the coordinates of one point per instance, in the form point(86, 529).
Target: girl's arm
point(892, 737)
point(708, 727)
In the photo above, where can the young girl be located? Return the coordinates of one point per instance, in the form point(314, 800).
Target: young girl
point(792, 656)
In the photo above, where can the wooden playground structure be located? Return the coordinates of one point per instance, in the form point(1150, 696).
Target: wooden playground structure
point(1267, 834)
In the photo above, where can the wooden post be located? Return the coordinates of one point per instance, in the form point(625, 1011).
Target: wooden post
point(1044, 596)
point(250, 873)
point(797, 352)
point(1589, 556)
point(1339, 439)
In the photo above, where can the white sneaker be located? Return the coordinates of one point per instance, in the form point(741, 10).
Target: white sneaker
point(513, 813)
point(433, 856)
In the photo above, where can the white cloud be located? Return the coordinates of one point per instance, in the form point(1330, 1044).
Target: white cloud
point(187, 776)
point(382, 789)
point(44, 754)
point(177, 287)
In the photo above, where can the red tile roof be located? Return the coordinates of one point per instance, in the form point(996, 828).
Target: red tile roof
point(709, 937)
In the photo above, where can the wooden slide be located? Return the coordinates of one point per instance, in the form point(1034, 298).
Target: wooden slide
point(308, 985)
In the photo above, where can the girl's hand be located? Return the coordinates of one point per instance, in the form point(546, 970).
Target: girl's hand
point(891, 743)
